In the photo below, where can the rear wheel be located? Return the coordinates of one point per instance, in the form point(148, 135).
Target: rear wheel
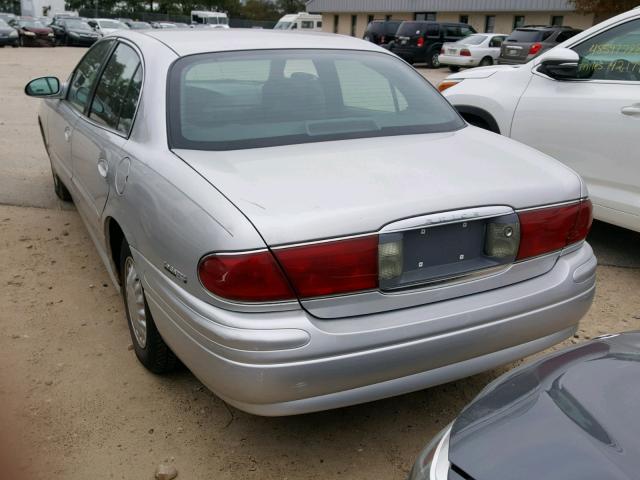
point(432, 60)
point(454, 69)
point(486, 62)
point(149, 346)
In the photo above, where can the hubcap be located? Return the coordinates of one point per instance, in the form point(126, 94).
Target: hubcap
point(135, 302)
point(435, 62)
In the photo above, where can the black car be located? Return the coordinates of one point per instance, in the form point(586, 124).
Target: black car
point(420, 42)
point(73, 31)
point(573, 415)
point(528, 42)
point(382, 32)
point(136, 25)
point(8, 35)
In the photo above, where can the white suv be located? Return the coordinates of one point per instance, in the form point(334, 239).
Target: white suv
point(578, 102)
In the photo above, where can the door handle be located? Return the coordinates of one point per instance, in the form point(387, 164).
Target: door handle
point(67, 133)
point(631, 110)
point(103, 168)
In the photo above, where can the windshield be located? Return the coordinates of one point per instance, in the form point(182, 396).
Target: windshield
point(77, 25)
point(3, 24)
point(525, 36)
point(111, 24)
point(283, 26)
point(472, 40)
point(31, 24)
point(237, 100)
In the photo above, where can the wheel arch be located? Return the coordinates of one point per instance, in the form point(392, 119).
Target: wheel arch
point(478, 117)
point(114, 235)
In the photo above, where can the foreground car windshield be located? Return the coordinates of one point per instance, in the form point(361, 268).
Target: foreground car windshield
point(235, 100)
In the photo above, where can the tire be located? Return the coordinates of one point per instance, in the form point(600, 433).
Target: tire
point(432, 59)
point(486, 62)
point(21, 41)
point(149, 346)
point(454, 69)
point(61, 191)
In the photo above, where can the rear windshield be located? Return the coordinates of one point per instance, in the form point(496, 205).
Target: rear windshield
point(237, 100)
point(525, 36)
point(412, 28)
point(472, 40)
point(376, 27)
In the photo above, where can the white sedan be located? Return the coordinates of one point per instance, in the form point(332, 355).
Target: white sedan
point(479, 49)
point(578, 102)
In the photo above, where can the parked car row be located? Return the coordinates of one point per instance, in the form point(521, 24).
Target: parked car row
point(458, 45)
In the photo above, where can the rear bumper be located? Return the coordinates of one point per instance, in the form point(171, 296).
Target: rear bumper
point(458, 60)
point(286, 363)
point(513, 61)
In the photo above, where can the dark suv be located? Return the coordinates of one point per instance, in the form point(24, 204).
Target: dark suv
point(382, 32)
point(528, 42)
point(419, 42)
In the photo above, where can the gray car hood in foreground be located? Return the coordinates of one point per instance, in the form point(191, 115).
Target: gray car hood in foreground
point(329, 189)
point(574, 415)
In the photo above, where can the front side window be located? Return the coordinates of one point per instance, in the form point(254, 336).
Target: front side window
point(237, 100)
point(116, 97)
point(612, 55)
point(86, 74)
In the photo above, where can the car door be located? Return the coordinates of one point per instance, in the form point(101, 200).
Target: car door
point(100, 135)
point(592, 123)
point(64, 113)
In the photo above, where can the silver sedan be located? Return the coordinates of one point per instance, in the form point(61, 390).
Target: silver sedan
point(305, 222)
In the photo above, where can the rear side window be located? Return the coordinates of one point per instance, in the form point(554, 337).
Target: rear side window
point(390, 28)
point(375, 27)
point(237, 100)
point(519, 35)
point(409, 29)
point(117, 94)
point(306, 24)
point(86, 75)
point(433, 30)
point(566, 35)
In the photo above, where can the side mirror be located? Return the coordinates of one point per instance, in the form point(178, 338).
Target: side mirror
point(560, 63)
point(43, 87)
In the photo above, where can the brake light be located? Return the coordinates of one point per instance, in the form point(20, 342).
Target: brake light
point(465, 53)
point(420, 42)
point(245, 277)
point(549, 229)
point(329, 268)
point(535, 48)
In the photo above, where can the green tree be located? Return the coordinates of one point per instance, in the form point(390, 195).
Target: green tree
point(260, 10)
point(290, 6)
point(604, 8)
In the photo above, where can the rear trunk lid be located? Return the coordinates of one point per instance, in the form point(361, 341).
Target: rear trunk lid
point(518, 44)
point(308, 192)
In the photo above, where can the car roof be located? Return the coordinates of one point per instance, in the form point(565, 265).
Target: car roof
point(189, 41)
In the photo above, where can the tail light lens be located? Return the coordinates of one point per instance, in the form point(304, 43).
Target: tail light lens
point(535, 48)
point(420, 42)
point(545, 230)
point(442, 51)
point(465, 53)
point(245, 277)
point(330, 268)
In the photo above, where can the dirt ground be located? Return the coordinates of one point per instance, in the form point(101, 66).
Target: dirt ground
point(77, 405)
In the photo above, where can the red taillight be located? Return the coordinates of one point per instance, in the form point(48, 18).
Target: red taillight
point(330, 268)
point(465, 53)
point(535, 48)
point(420, 42)
point(548, 229)
point(442, 51)
point(245, 277)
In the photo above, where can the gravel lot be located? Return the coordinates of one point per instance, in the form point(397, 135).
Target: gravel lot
point(78, 405)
